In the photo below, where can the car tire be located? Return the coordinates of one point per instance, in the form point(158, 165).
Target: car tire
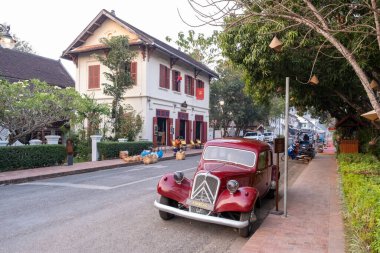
point(251, 217)
point(168, 202)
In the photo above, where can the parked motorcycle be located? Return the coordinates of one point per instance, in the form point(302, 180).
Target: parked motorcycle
point(306, 148)
point(294, 154)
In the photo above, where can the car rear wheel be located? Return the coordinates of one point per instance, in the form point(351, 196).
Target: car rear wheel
point(168, 202)
point(251, 218)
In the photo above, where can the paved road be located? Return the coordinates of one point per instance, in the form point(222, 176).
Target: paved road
point(106, 211)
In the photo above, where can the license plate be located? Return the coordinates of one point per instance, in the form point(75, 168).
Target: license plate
point(200, 204)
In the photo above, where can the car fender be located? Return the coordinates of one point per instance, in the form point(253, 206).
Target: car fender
point(243, 200)
point(169, 188)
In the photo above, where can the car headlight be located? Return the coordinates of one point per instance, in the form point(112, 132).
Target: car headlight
point(178, 177)
point(232, 186)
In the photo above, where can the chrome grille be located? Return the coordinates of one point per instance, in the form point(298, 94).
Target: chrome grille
point(205, 189)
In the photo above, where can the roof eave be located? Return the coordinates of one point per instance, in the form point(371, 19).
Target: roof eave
point(209, 72)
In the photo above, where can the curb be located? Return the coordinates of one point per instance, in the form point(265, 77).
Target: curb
point(81, 171)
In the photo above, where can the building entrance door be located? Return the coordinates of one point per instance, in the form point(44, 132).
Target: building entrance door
point(198, 130)
point(162, 124)
point(182, 129)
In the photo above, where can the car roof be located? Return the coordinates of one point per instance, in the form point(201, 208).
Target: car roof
point(240, 143)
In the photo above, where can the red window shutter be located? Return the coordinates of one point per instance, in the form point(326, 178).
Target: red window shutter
point(204, 132)
point(167, 77)
point(188, 130)
point(194, 130)
point(177, 121)
point(94, 76)
point(161, 76)
point(134, 72)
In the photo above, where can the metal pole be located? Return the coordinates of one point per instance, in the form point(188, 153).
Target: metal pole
point(277, 181)
point(286, 146)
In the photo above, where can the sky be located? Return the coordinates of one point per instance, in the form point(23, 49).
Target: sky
point(50, 26)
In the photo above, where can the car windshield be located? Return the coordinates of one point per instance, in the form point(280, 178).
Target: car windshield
point(251, 134)
point(267, 134)
point(238, 156)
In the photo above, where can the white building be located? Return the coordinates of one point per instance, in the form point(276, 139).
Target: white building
point(169, 107)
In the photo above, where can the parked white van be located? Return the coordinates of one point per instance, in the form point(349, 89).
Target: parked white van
point(254, 136)
point(268, 136)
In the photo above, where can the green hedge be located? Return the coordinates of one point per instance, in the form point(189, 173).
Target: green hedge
point(109, 150)
point(361, 188)
point(25, 157)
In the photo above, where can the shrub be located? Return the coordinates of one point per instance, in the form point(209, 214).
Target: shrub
point(361, 188)
point(25, 157)
point(109, 150)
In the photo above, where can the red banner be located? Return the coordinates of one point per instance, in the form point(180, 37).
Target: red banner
point(200, 93)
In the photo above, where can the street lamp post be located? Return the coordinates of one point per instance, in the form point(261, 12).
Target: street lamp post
point(221, 103)
point(286, 132)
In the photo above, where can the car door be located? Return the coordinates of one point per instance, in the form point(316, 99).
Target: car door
point(262, 173)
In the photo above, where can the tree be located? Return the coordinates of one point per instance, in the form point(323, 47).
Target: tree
point(348, 28)
point(23, 46)
point(118, 60)
point(229, 88)
point(29, 106)
point(201, 48)
point(237, 105)
point(88, 109)
point(131, 125)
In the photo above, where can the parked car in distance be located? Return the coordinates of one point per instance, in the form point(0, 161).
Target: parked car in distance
point(268, 136)
point(232, 177)
point(254, 135)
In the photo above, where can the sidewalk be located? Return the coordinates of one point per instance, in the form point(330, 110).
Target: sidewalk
point(314, 222)
point(20, 176)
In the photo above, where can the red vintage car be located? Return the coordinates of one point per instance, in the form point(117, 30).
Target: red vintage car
point(233, 175)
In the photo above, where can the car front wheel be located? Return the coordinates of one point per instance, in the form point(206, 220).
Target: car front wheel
point(251, 218)
point(168, 202)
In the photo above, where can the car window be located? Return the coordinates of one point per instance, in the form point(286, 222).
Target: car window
point(238, 156)
point(251, 134)
point(262, 160)
point(267, 134)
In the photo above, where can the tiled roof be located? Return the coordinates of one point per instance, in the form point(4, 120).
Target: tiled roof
point(17, 66)
point(146, 38)
point(88, 48)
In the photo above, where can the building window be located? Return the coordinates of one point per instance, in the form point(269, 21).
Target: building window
point(176, 80)
point(132, 69)
point(200, 90)
point(94, 77)
point(164, 77)
point(189, 85)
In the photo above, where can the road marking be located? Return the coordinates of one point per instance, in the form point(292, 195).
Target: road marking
point(148, 167)
point(97, 187)
point(82, 186)
point(143, 180)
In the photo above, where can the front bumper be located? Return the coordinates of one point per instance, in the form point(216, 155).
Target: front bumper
point(201, 217)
